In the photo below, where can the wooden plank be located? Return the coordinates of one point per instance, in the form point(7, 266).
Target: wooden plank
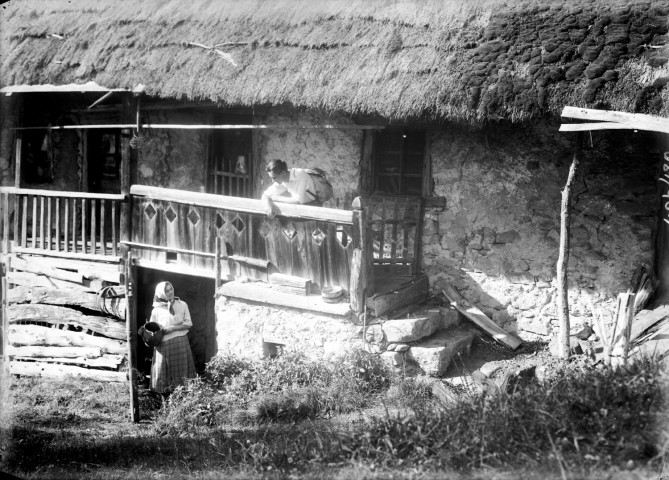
point(646, 319)
point(41, 222)
point(24, 221)
point(639, 121)
point(59, 193)
point(49, 216)
point(94, 225)
point(54, 296)
point(114, 232)
point(34, 266)
point(34, 223)
point(57, 242)
point(103, 361)
point(591, 127)
point(83, 226)
point(480, 319)
point(71, 255)
point(24, 335)
point(63, 372)
point(4, 202)
point(262, 293)
point(59, 315)
point(60, 352)
point(413, 292)
point(29, 279)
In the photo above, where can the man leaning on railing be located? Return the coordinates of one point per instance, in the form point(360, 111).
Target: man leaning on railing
point(295, 185)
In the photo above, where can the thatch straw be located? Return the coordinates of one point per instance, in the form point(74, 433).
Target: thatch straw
point(473, 61)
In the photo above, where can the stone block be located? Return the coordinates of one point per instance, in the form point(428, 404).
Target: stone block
point(394, 359)
point(435, 354)
point(411, 329)
point(449, 318)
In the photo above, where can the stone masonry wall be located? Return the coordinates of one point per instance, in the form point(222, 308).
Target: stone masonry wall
point(242, 328)
point(497, 238)
point(335, 151)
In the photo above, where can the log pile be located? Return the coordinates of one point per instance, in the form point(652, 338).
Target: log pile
point(66, 318)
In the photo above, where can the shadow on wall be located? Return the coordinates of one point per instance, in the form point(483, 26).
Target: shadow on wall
point(198, 293)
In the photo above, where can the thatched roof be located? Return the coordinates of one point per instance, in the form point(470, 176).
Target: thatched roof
point(443, 59)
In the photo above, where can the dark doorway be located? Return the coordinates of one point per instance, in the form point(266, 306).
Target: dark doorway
point(198, 293)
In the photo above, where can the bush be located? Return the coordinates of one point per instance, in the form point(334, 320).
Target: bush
point(289, 387)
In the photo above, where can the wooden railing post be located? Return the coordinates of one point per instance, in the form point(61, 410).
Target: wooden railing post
point(362, 277)
point(131, 331)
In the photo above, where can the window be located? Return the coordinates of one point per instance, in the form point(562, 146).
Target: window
point(104, 161)
point(37, 157)
point(398, 159)
point(230, 159)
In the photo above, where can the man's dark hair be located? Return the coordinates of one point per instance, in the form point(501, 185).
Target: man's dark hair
point(277, 166)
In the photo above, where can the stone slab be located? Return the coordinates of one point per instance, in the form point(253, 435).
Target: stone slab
point(407, 330)
point(435, 353)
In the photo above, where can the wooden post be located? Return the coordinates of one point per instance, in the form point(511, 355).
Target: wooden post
point(17, 161)
point(563, 259)
point(131, 331)
point(218, 262)
point(4, 321)
point(362, 273)
point(662, 245)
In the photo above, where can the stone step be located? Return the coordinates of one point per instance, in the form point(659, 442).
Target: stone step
point(435, 353)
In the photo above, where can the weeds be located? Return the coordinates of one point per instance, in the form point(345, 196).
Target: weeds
point(272, 416)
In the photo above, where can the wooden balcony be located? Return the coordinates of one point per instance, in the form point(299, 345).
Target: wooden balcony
point(187, 232)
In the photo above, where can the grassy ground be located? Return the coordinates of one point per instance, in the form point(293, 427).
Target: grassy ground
point(293, 418)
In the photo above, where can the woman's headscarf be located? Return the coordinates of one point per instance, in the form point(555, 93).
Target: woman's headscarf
point(160, 297)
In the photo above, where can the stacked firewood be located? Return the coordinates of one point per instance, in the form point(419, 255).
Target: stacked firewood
point(60, 325)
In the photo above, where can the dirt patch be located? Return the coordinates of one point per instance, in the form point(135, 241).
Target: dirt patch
point(489, 360)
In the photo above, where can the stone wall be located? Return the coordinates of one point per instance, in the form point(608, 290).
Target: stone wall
point(247, 329)
point(497, 238)
point(335, 151)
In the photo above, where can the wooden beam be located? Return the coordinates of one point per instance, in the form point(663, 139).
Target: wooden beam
point(480, 319)
point(55, 371)
point(262, 293)
point(245, 205)
point(415, 292)
point(174, 126)
point(638, 120)
point(61, 194)
point(586, 127)
point(131, 332)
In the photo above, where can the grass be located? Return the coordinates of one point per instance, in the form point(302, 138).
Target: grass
point(293, 417)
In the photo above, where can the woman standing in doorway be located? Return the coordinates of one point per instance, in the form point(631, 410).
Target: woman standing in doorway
point(172, 360)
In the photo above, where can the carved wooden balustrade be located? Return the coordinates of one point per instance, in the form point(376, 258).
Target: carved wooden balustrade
point(184, 228)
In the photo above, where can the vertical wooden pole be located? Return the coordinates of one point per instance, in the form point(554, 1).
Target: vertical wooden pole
point(4, 211)
point(17, 161)
point(362, 274)
point(4, 321)
point(563, 259)
point(662, 245)
point(131, 332)
point(218, 262)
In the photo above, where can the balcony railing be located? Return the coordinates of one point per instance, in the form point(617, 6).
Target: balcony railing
point(173, 226)
point(188, 232)
point(71, 224)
